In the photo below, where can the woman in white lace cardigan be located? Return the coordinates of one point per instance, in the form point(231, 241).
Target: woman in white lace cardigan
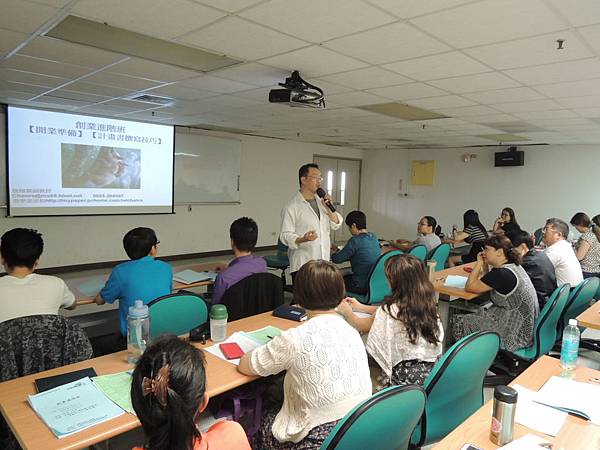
point(405, 332)
point(327, 371)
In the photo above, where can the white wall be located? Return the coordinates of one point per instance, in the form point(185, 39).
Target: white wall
point(269, 177)
point(557, 180)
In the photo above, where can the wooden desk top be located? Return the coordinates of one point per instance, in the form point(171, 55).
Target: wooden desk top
point(83, 299)
point(32, 433)
point(451, 291)
point(575, 434)
point(590, 318)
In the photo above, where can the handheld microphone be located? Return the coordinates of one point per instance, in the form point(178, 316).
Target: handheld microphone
point(321, 193)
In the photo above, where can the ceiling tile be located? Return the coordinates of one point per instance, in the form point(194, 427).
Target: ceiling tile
point(108, 91)
point(215, 84)
point(553, 114)
point(9, 40)
point(67, 102)
point(180, 92)
point(74, 95)
point(588, 112)
point(23, 88)
point(329, 88)
point(434, 67)
point(231, 37)
point(570, 89)
point(314, 61)
point(354, 99)
point(504, 95)
point(583, 12)
point(152, 70)
point(467, 111)
point(530, 51)
point(490, 119)
point(534, 105)
point(369, 45)
point(318, 21)
point(588, 101)
point(160, 19)
point(474, 83)
point(370, 77)
point(66, 52)
point(229, 5)
point(53, 3)
point(581, 69)
point(31, 78)
point(444, 101)
point(253, 73)
point(591, 35)
point(490, 21)
point(24, 17)
point(44, 67)
point(408, 91)
point(121, 81)
point(406, 9)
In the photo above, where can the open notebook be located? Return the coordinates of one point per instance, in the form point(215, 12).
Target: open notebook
point(190, 276)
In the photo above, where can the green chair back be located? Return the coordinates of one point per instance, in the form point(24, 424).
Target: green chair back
point(538, 236)
point(579, 300)
point(419, 251)
point(454, 387)
point(378, 286)
point(440, 255)
point(176, 314)
point(545, 327)
point(384, 421)
point(280, 260)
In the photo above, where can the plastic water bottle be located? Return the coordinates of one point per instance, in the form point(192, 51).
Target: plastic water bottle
point(218, 323)
point(138, 331)
point(570, 347)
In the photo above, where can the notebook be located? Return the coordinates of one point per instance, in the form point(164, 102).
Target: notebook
point(290, 312)
point(47, 383)
point(190, 276)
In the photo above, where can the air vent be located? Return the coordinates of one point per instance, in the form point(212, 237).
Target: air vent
point(152, 99)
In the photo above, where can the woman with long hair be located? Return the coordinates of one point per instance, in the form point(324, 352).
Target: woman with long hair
point(507, 222)
point(405, 332)
point(168, 393)
point(514, 300)
point(473, 233)
point(587, 248)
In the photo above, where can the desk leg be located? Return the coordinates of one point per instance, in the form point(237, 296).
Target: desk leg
point(444, 311)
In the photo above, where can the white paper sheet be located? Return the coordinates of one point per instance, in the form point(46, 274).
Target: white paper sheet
point(535, 416)
point(247, 344)
point(562, 392)
point(527, 442)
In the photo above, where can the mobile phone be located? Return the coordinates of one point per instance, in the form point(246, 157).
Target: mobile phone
point(231, 350)
point(470, 447)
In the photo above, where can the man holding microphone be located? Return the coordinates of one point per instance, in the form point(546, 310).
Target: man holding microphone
point(306, 220)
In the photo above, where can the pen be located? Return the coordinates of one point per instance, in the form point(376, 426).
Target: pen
point(595, 380)
point(270, 337)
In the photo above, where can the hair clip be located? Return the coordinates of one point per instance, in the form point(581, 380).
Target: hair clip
point(157, 385)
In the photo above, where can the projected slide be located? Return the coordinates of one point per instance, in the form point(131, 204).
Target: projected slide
point(61, 164)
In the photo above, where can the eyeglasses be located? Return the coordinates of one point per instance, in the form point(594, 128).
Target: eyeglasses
point(157, 242)
point(422, 224)
point(315, 177)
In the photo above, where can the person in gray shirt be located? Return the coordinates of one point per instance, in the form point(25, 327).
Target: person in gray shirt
point(428, 231)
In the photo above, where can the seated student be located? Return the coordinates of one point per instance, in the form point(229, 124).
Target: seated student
point(143, 278)
point(327, 373)
point(22, 292)
point(405, 332)
point(514, 300)
point(428, 231)
point(507, 222)
point(362, 250)
point(473, 233)
point(168, 393)
point(561, 254)
point(243, 233)
point(536, 264)
point(587, 248)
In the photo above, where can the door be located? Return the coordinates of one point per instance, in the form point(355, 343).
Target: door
point(341, 180)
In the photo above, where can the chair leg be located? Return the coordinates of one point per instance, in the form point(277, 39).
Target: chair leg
point(590, 344)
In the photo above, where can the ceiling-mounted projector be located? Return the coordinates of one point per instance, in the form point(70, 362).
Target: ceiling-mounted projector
point(298, 92)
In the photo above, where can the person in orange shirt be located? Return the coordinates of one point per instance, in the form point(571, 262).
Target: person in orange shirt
point(168, 393)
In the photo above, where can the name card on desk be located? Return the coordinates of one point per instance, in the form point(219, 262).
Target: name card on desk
point(73, 407)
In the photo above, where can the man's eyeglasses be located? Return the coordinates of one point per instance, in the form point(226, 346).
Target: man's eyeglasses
point(315, 177)
point(157, 242)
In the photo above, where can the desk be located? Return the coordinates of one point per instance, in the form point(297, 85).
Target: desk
point(590, 318)
point(452, 291)
point(575, 434)
point(32, 433)
point(83, 299)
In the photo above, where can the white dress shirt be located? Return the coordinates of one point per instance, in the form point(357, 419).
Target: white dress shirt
point(566, 265)
point(297, 218)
